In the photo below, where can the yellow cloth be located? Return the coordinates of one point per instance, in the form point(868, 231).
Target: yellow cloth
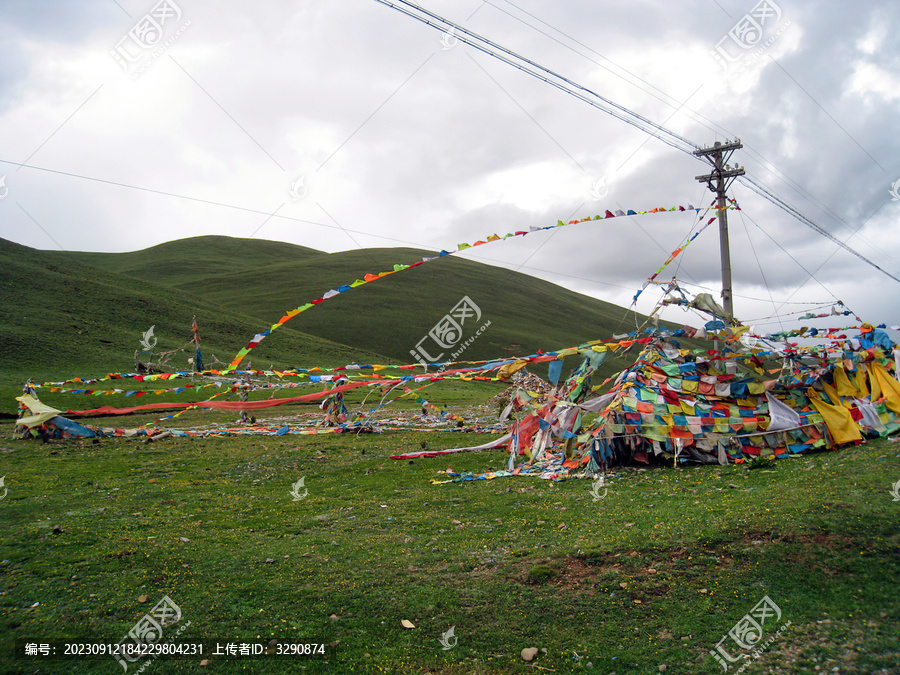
point(837, 418)
point(873, 385)
point(889, 387)
point(861, 381)
point(832, 394)
point(756, 387)
point(507, 371)
point(843, 385)
point(42, 412)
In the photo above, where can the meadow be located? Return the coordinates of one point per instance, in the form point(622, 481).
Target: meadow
point(646, 578)
point(373, 559)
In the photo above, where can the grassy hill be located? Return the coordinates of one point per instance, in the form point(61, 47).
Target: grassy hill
point(389, 316)
point(62, 318)
point(183, 261)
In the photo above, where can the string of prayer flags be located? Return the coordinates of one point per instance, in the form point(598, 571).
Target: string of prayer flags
point(368, 278)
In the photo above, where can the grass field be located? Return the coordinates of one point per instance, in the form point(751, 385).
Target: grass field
point(646, 578)
point(652, 574)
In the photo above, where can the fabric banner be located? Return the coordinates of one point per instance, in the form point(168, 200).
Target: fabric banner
point(782, 416)
point(434, 453)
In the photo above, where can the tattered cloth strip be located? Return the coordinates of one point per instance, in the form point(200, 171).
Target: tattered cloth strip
point(435, 453)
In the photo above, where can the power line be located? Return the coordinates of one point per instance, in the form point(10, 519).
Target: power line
point(763, 191)
point(699, 118)
point(211, 202)
point(601, 103)
point(540, 72)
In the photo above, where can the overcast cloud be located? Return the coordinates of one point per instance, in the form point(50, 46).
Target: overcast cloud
point(339, 125)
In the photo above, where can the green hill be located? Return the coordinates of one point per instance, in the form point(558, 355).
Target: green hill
point(63, 318)
point(388, 316)
point(76, 313)
point(185, 260)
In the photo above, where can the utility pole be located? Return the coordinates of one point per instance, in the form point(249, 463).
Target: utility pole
point(723, 175)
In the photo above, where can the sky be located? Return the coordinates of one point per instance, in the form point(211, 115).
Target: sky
point(344, 125)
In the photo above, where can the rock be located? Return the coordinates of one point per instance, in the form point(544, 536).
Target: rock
point(269, 561)
point(143, 598)
point(529, 653)
point(184, 539)
point(204, 662)
point(662, 668)
point(334, 617)
point(57, 529)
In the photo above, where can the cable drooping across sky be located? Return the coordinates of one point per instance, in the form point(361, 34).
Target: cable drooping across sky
point(552, 78)
point(606, 105)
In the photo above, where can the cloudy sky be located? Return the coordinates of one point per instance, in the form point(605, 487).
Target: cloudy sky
point(340, 125)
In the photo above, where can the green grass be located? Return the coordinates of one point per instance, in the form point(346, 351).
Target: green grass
point(389, 316)
point(653, 574)
point(68, 319)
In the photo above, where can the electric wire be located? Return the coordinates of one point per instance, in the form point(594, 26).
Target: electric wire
point(758, 263)
point(767, 194)
point(701, 119)
point(601, 103)
point(796, 262)
point(540, 72)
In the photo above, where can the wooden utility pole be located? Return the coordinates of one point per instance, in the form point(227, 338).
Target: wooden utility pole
point(718, 155)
